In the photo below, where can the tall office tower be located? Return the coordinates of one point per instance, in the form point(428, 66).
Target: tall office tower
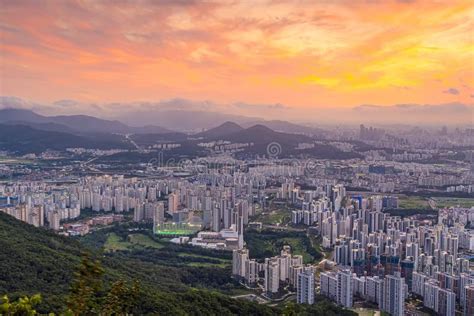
point(239, 259)
point(272, 277)
point(344, 288)
point(173, 203)
point(305, 288)
point(394, 294)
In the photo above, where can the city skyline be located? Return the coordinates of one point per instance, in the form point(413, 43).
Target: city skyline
point(237, 157)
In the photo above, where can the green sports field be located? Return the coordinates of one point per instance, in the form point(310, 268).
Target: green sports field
point(175, 229)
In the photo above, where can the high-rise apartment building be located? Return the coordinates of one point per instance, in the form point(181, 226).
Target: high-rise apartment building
point(305, 287)
point(394, 295)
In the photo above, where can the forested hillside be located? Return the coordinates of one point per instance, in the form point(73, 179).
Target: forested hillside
point(35, 260)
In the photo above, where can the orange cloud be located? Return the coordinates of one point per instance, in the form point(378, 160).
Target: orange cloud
point(304, 55)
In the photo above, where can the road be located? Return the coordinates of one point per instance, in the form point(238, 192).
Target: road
point(127, 137)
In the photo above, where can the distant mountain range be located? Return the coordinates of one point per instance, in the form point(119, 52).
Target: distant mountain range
point(260, 136)
point(288, 127)
point(265, 140)
point(24, 131)
point(183, 120)
point(73, 123)
point(224, 129)
point(192, 121)
point(161, 122)
point(24, 139)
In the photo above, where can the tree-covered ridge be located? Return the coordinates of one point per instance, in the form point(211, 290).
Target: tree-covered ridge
point(37, 261)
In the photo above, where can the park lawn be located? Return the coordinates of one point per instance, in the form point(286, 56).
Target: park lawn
point(114, 243)
point(145, 241)
point(413, 202)
point(442, 202)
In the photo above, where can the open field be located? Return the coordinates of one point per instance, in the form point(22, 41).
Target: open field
point(114, 243)
point(442, 202)
point(413, 202)
point(171, 229)
point(164, 250)
point(143, 240)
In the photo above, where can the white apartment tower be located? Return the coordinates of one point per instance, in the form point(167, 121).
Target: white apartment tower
point(394, 295)
point(305, 289)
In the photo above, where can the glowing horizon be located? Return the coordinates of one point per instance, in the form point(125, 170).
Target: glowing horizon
point(301, 54)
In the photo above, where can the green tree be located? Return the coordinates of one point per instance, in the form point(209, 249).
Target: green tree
point(22, 307)
point(85, 298)
point(121, 299)
point(291, 309)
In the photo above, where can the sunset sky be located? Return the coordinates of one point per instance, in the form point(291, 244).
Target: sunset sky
point(303, 54)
